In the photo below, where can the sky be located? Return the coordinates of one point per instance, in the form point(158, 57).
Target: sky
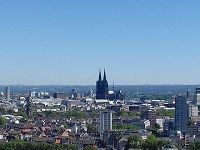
point(45, 42)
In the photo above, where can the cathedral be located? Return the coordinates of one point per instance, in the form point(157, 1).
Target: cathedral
point(102, 87)
point(102, 91)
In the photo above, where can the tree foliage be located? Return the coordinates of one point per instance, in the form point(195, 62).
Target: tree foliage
point(194, 145)
point(166, 113)
point(89, 147)
point(91, 128)
point(124, 127)
point(21, 145)
point(151, 143)
point(3, 121)
point(134, 142)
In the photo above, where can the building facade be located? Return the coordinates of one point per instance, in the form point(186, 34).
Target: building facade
point(192, 110)
point(197, 96)
point(181, 116)
point(7, 93)
point(102, 87)
point(105, 122)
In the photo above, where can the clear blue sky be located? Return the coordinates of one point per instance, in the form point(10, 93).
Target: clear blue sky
point(68, 41)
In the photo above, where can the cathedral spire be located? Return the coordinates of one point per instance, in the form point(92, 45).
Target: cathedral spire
point(100, 75)
point(104, 75)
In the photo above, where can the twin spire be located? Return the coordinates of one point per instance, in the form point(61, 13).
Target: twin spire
point(104, 75)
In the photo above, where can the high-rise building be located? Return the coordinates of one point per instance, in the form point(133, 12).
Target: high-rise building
point(105, 122)
point(7, 93)
point(197, 96)
point(181, 116)
point(102, 87)
point(28, 106)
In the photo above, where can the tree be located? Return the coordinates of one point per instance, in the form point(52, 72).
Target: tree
point(194, 145)
point(22, 145)
point(156, 126)
point(134, 141)
point(3, 121)
point(91, 128)
point(166, 113)
point(150, 143)
point(89, 147)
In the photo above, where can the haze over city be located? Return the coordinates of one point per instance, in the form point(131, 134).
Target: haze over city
point(67, 42)
point(99, 75)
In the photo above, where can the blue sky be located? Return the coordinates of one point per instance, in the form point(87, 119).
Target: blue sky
point(68, 41)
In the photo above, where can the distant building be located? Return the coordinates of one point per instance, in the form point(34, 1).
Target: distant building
point(102, 87)
point(7, 93)
point(102, 91)
point(151, 116)
point(197, 96)
point(160, 121)
point(181, 116)
point(28, 106)
point(168, 127)
point(192, 110)
point(72, 103)
point(115, 95)
point(105, 122)
point(61, 95)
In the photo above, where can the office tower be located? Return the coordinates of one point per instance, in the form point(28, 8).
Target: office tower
point(192, 110)
point(181, 113)
point(105, 122)
point(197, 96)
point(102, 87)
point(28, 106)
point(7, 93)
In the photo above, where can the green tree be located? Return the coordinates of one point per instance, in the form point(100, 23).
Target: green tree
point(194, 145)
point(91, 128)
point(156, 126)
point(134, 141)
point(122, 127)
point(22, 145)
point(165, 113)
point(89, 147)
point(3, 121)
point(150, 143)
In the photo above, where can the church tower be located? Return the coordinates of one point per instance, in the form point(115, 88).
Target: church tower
point(102, 87)
point(99, 87)
point(105, 85)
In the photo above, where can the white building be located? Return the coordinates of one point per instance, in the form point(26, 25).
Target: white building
point(160, 122)
point(198, 96)
point(7, 93)
point(105, 122)
point(192, 110)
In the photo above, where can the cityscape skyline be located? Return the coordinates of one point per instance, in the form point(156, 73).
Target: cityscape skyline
point(66, 42)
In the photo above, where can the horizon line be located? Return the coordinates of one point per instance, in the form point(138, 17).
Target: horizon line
point(95, 85)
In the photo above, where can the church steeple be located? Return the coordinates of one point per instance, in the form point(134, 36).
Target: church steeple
point(102, 87)
point(104, 75)
point(100, 75)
